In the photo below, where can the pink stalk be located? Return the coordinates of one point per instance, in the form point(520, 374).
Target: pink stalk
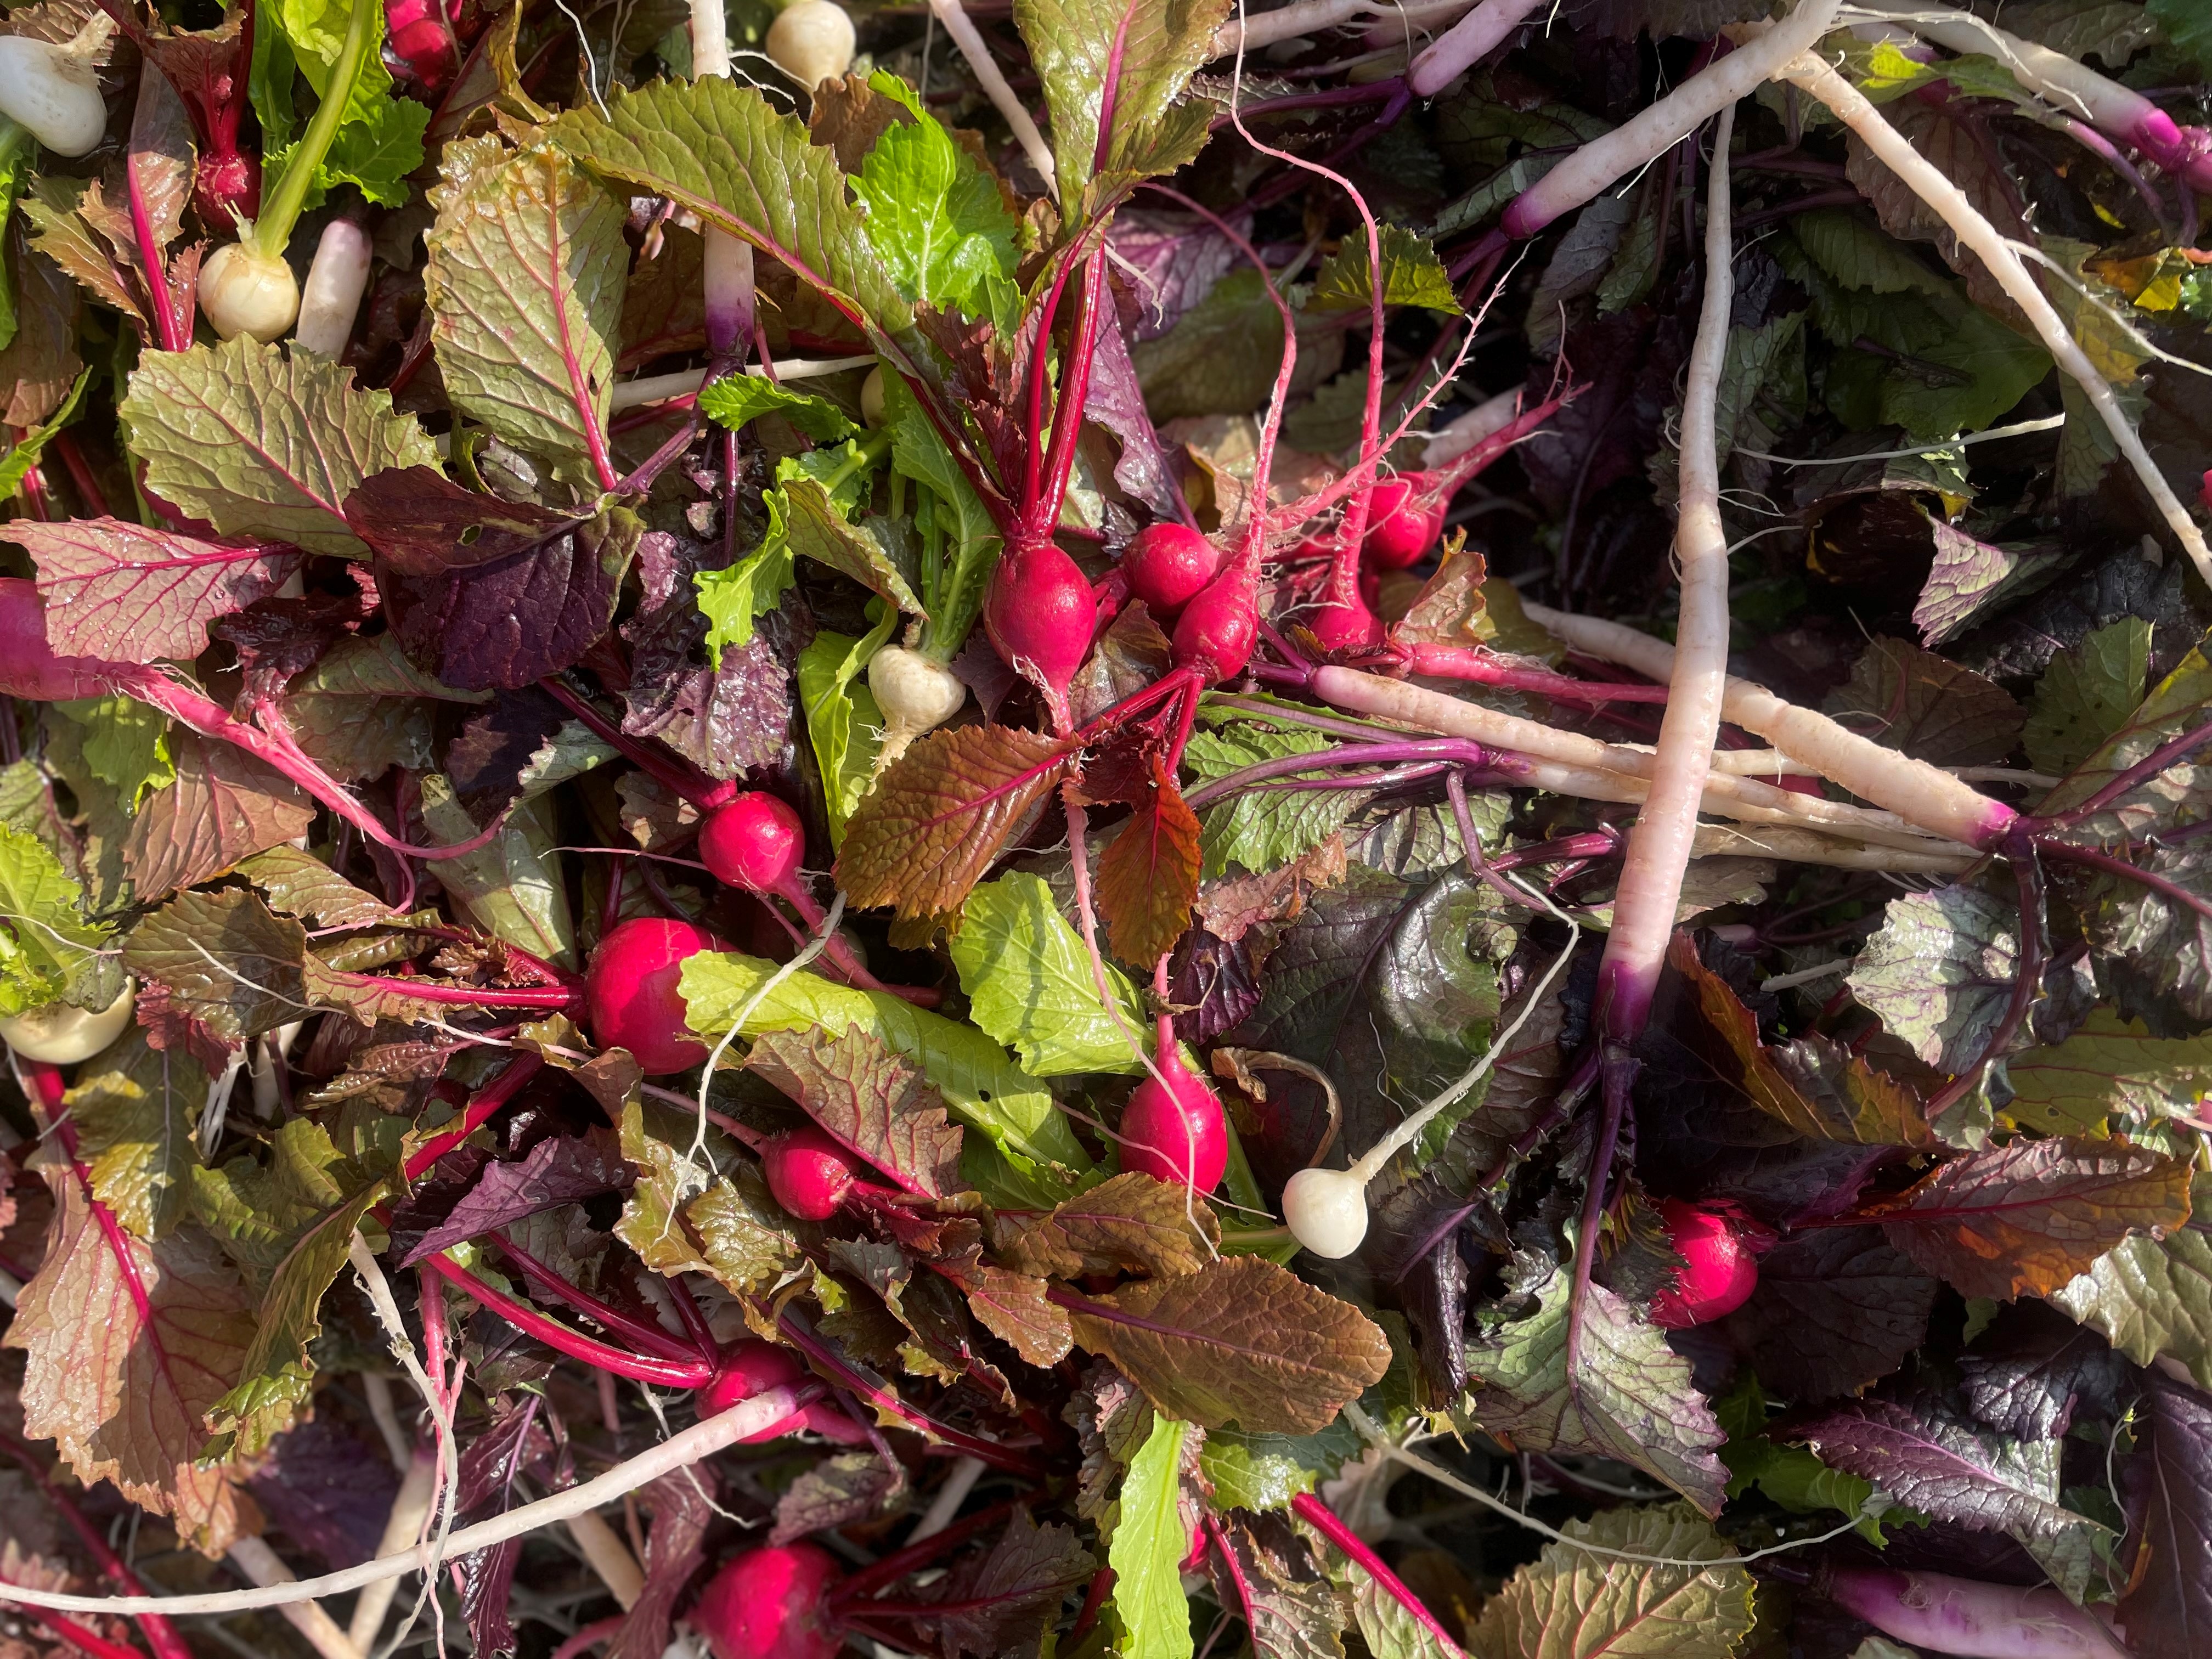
point(174, 332)
point(827, 1358)
point(1467, 41)
point(600, 1356)
point(1942, 1615)
point(1481, 667)
point(649, 1337)
point(1324, 1521)
point(78, 1636)
point(482, 1106)
point(161, 1635)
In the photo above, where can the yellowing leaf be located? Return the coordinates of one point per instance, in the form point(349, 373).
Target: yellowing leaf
point(1570, 1603)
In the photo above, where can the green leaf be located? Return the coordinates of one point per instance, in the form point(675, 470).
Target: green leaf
point(380, 142)
point(736, 399)
point(1266, 1471)
point(1028, 983)
point(2087, 694)
point(263, 442)
point(1149, 1545)
point(1141, 57)
point(1856, 252)
point(734, 599)
point(2000, 367)
point(1571, 1603)
point(935, 218)
point(16, 465)
point(125, 744)
point(985, 1090)
point(819, 531)
point(1940, 971)
point(2152, 1298)
point(136, 1108)
point(1412, 275)
point(514, 886)
point(525, 279)
point(1630, 1396)
point(48, 951)
point(18, 151)
point(1791, 1476)
point(2188, 26)
point(951, 511)
point(842, 719)
point(1263, 829)
point(2112, 1067)
point(718, 147)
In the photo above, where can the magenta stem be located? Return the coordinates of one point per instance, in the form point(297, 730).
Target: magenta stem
point(160, 1633)
point(899, 1563)
point(635, 1332)
point(80, 1639)
point(486, 1101)
point(1074, 389)
point(828, 1359)
point(1323, 1520)
point(600, 1356)
point(692, 785)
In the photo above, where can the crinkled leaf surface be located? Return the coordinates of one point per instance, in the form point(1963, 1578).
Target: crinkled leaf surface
point(1940, 972)
point(125, 593)
point(1570, 1603)
point(869, 1097)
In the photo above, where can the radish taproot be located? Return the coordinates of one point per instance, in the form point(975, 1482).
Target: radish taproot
point(1959, 1616)
point(335, 282)
point(754, 841)
point(1217, 631)
point(631, 994)
point(244, 291)
point(52, 90)
point(811, 42)
point(1175, 1131)
point(1167, 565)
point(771, 1603)
point(1720, 1269)
point(754, 1366)
point(914, 693)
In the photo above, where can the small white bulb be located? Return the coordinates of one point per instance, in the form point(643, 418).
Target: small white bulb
point(1326, 1211)
point(871, 396)
point(244, 291)
point(54, 90)
point(59, 1034)
point(811, 42)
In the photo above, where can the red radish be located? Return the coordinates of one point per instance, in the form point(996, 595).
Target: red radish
point(1720, 1270)
point(228, 185)
point(28, 666)
point(1403, 523)
point(1040, 616)
point(754, 1366)
point(771, 1604)
point(1167, 565)
point(1349, 626)
point(1218, 629)
point(1175, 1134)
point(422, 38)
point(755, 842)
point(810, 1173)
point(630, 996)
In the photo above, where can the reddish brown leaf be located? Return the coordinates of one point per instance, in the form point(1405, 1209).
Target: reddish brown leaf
point(1014, 1308)
point(1148, 878)
point(2024, 1219)
point(126, 593)
point(1130, 1222)
point(939, 816)
point(128, 1345)
point(224, 806)
point(871, 1099)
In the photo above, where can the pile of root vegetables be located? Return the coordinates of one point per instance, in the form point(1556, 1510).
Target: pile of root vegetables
point(1085, 829)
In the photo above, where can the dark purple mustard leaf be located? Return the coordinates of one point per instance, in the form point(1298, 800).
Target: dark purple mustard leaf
point(725, 721)
point(681, 1505)
point(490, 595)
point(486, 761)
point(1007, 1596)
point(1214, 982)
point(1172, 261)
point(2166, 1609)
point(277, 638)
point(450, 1180)
point(515, 1442)
point(2033, 1368)
point(848, 1487)
point(1412, 1249)
point(1836, 1309)
point(559, 1169)
point(1147, 468)
point(328, 1490)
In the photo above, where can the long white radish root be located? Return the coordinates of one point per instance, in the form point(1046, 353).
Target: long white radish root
point(969, 39)
point(253, 1558)
point(610, 1558)
point(1926, 181)
point(402, 1523)
point(1917, 792)
point(1659, 843)
point(1313, 16)
point(1745, 798)
point(1470, 39)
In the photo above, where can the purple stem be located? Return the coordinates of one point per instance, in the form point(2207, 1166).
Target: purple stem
point(478, 1112)
point(828, 1359)
point(2167, 890)
point(2095, 141)
point(1457, 752)
point(635, 1332)
point(2141, 772)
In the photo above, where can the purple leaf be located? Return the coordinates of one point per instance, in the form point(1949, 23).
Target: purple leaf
point(850, 1487)
point(1172, 260)
point(1006, 1598)
point(725, 721)
point(682, 1505)
point(2167, 1607)
point(486, 761)
point(1835, 1310)
point(559, 1169)
point(328, 1490)
point(2034, 1366)
point(1116, 402)
point(126, 593)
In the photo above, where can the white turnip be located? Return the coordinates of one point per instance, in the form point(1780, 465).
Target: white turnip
point(63, 1035)
point(811, 42)
point(915, 694)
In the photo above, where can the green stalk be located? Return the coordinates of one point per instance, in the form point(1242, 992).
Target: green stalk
point(279, 207)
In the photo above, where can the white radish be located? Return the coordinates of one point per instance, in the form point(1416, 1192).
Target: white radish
point(1466, 42)
point(262, 1567)
point(966, 36)
point(1485, 420)
point(871, 396)
point(811, 42)
point(727, 284)
point(1304, 17)
point(54, 90)
point(62, 1036)
point(1914, 791)
point(410, 1506)
point(335, 282)
point(915, 694)
point(245, 291)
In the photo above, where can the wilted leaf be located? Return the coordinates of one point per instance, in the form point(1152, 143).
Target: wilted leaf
point(871, 1099)
point(2026, 1219)
point(835, 1493)
point(939, 818)
point(1940, 971)
point(124, 1359)
point(1570, 1603)
point(1629, 1397)
point(1029, 982)
point(126, 593)
point(261, 442)
point(1240, 1340)
point(1131, 1221)
point(525, 277)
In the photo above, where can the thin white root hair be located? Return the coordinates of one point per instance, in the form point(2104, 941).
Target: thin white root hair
point(253, 1558)
point(1922, 178)
point(1659, 843)
point(969, 39)
point(694, 1444)
point(652, 388)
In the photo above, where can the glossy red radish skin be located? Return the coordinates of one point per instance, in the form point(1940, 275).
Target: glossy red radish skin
point(28, 666)
point(1167, 565)
point(771, 1604)
point(1350, 627)
point(1040, 616)
point(810, 1175)
point(754, 841)
point(1179, 1136)
point(424, 40)
point(1721, 1270)
point(1217, 631)
point(631, 994)
point(753, 1367)
point(1403, 524)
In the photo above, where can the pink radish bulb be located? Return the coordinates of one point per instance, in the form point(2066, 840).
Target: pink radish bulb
point(1040, 616)
point(1175, 1134)
point(810, 1173)
point(423, 40)
point(1352, 627)
point(1720, 1270)
point(632, 998)
point(754, 841)
point(227, 187)
point(1167, 565)
point(1218, 629)
point(771, 1604)
point(753, 1367)
point(28, 666)
point(1402, 524)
